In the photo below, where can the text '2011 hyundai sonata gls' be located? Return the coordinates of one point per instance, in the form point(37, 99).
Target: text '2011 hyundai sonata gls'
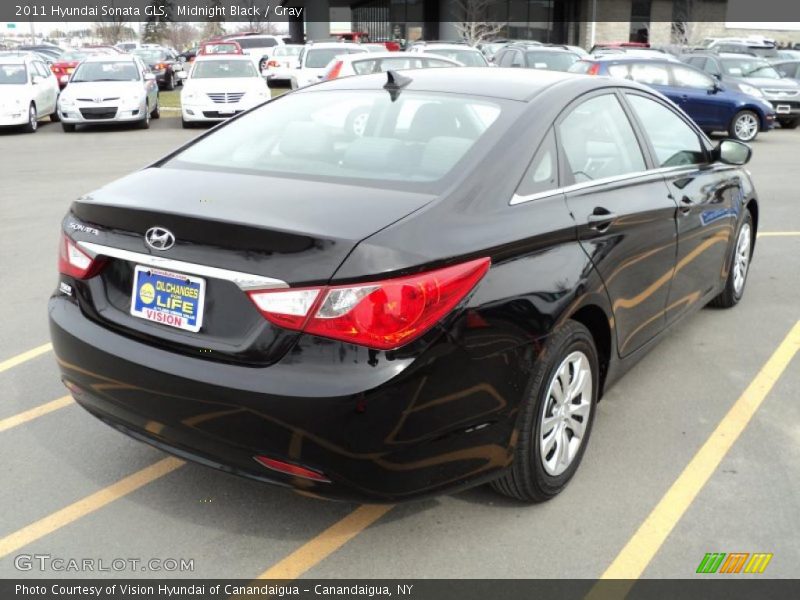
point(433, 299)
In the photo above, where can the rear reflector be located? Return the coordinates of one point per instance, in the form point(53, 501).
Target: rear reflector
point(290, 469)
point(74, 262)
point(382, 314)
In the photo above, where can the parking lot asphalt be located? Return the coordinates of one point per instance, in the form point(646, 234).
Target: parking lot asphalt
point(74, 488)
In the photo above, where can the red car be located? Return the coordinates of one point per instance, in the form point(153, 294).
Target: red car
point(65, 64)
point(219, 47)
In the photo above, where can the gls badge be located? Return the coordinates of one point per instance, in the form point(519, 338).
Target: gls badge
point(159, 238)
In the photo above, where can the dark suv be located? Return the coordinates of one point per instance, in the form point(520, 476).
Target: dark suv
point(754, 76)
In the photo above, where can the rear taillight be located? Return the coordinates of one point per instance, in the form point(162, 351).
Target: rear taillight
point(334, 71)
point(161, 66)
point(292, 469)
point(593, 70)
point(273, 63)
point(75, 262)
point(382, 314)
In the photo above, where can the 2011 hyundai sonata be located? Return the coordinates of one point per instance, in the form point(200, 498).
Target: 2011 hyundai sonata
point(431, 300)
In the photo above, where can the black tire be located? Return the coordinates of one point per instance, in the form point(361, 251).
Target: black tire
point(169, 84)
point(526, 479)
point(68, 127)
point(186, 124)
point(156, 112)
point(33, 124)
point(730, 295)
point(145, 122)
point(54, 116)
point(789, 123)
point(743, 115)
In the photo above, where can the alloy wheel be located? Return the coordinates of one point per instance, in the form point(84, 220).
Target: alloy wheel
point(34, 122)
point(746, 127)
point(741, 259)
point(566, 413)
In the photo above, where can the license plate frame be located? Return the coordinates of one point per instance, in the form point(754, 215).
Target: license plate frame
point(155, 306)
point(783, 109)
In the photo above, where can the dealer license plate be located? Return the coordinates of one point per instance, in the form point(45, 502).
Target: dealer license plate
point(783, 109)
point(168, 298)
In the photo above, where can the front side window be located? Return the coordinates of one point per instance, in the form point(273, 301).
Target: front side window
point(691, 79)
point(674, 142)
point(418, 137)
point(598, 140)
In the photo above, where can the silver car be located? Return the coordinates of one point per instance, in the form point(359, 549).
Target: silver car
point(109, 89)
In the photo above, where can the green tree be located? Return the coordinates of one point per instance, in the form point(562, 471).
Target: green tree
point(155, 26)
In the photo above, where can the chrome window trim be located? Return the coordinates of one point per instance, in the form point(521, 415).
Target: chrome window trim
point(245, 281)
point(518, 199)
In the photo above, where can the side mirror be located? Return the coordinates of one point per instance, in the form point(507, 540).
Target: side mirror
point(182, 75)
point(149, 77)
point(716, 88)
point(733, 152)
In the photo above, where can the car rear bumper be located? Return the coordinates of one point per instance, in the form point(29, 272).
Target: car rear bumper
point(380, 430)
point(14, 119)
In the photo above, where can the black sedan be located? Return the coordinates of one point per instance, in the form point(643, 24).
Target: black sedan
point(433, 300)
point(164, 64)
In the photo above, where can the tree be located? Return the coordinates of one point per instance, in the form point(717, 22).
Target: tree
point(471, 20)
point(112, 29)
point(215, 27)
point(180, 35)
point(155, 26)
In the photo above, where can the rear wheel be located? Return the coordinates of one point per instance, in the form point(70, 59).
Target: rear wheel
point(170, 82)
point(744, 126)
point(740, 267)
point(33, 121)
point(789, 123)
point(556, 419)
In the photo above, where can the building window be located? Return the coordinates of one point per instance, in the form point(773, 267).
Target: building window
point(640, 21)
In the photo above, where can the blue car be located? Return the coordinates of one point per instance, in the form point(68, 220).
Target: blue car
point(712, 105)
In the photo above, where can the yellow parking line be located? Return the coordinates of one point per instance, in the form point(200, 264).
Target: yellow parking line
point(38, 411)
point(87, 505)
point(778, 233)
point(326, 543)
point(25, 356)
point(632, 560)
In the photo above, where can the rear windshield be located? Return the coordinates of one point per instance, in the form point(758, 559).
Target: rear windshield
point(151, 55)
point(13, 74)
point(349, 135)
point(581, 66)
point(253, 42)
point(319, 58)
point(554, 61)
point(404, 60)
point(287, 51)
point(105, 71)
point(468, 58)
point(212, 69)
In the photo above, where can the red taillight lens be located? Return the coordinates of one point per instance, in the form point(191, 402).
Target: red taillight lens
point(75, 262)
point(273, 63)
point(382, 314)
point(594, 69)
point(161, 66)
point(291, 469)
point(334, 71)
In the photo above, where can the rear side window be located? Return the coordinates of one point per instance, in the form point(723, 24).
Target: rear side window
point(581, 67)
point(542, 174)
point(598, 140)
point(674, 142)
point(644, 72)
point(554, 61)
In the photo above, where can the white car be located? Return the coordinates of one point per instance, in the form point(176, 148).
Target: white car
point(28, 91)
point(258, 47)
point(367, 63)
point(466, 55)
point(109, 89)
point(282, 63)
point(314, 60)
point(220, 86)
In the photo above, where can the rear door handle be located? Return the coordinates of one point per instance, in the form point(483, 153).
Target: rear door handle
point(600, 219)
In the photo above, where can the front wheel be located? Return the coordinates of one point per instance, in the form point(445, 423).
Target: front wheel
point(33, 120)
point(68, 127)
point(145, 122)
point(740, 267)
point(789, 123)
point(744, 126)
point(156, 112)
point(556, 418)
